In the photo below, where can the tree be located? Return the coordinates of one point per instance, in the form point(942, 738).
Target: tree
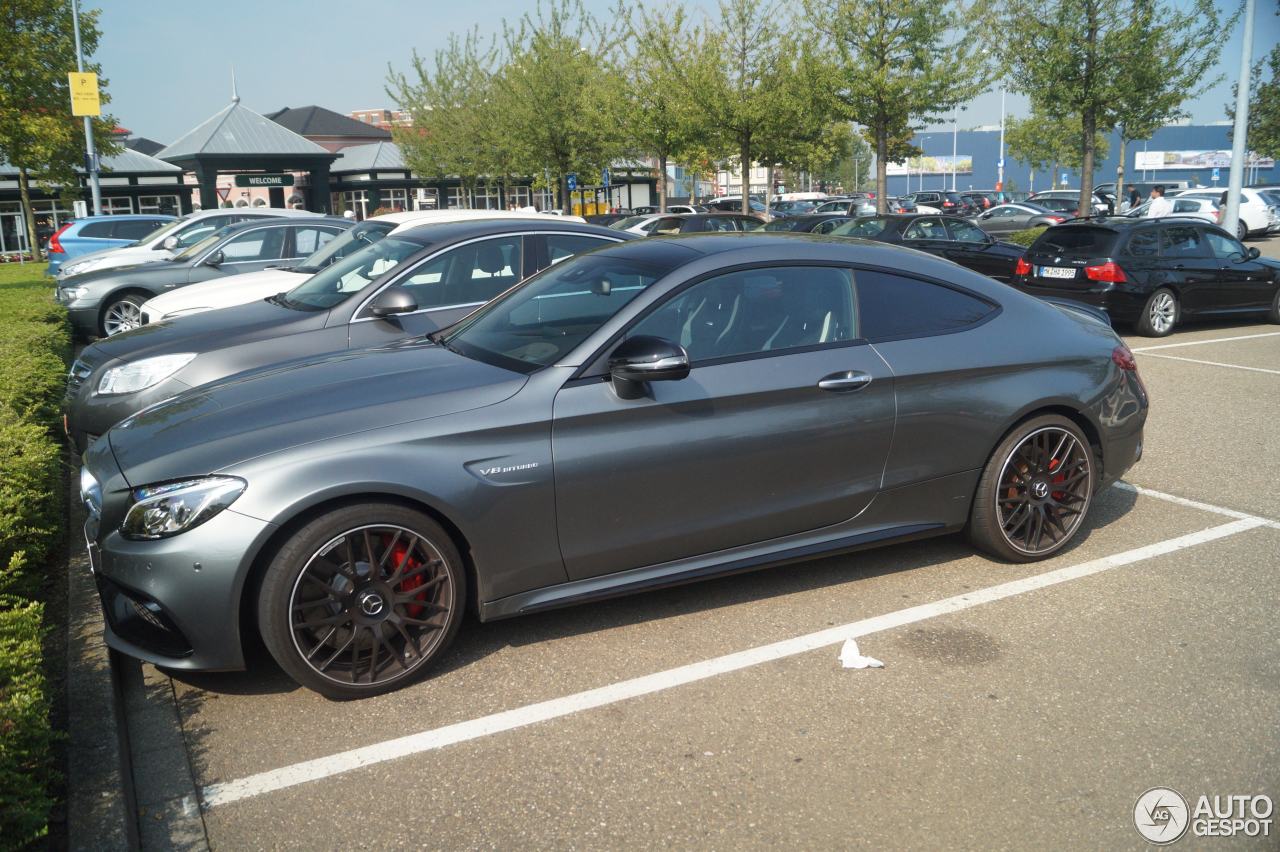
point(897, 65)
point(1154, 84)
point(659, 116)
point(450, 100)
point(738, 75)
point(554, 98)
point(1044, 142)
point(38, 134)
point(1264, 105)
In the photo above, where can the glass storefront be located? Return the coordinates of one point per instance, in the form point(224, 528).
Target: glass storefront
point(169, 205)
point(49, 215)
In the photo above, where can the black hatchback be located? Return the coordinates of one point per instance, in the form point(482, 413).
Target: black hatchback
point(951, 237)
point(1151, 272)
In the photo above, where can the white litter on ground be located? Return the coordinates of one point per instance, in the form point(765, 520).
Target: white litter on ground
point(851, 657)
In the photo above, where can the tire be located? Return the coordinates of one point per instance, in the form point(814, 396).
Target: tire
point(1160, 313)
point(1035, 491)
point(1274, 315)
point(123, 313)
point(1242, 230)
point(380, 580)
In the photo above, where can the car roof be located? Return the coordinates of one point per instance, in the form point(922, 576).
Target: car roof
point(122, 217)
point(438, 232)
point(271, 221)
point(415, 217)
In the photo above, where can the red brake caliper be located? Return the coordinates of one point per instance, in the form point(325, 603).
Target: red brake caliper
point(397, 555)
point(1054, 464)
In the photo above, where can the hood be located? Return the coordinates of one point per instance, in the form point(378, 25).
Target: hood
point(206, 331)
point(232, 290)
point(265, 411)
point(133, 269)
point(121, 256)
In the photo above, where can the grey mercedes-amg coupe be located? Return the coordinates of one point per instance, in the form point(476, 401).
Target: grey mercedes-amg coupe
point(642, 415)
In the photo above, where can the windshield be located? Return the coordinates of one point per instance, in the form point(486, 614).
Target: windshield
point(780, 225)
point(337, 282)
point(159, 232)
point(1076, 241)
point(870, 226)
point(347, 243)
point(629, 222)
point(539, 322)
point(198, 248)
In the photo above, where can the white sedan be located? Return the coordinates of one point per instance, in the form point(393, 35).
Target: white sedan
point(254, 286)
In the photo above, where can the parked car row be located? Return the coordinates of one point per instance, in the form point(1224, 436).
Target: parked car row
point(505, 416)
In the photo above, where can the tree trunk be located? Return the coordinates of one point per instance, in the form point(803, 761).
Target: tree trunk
point(744, 151)
point(28, 215)
point(562, 193)
point(1120, 174)
point(662, 183)
point(768, 185)
point(882, 180)
point(1089, 122)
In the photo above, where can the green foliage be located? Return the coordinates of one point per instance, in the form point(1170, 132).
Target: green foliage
point(33, 343)
point(895, 65)
point(1025, 237)
point(1044, 142)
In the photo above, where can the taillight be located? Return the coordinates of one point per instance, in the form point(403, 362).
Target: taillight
point(1057, 219)
point(1023, 268)
point(1108, 272)
point(1123, 358)
point(54, 246)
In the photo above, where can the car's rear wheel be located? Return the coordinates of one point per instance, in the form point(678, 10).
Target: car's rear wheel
point(121, 314)
point(1159, 314)
point(1274, 316)
point(1034, 492)
point(1242, 230)
point(362, 599)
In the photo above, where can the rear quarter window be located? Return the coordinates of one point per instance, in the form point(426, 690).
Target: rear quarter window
point(892, 307)
point(1076, 242)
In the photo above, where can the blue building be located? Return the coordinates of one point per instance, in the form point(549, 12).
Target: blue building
point(1179, 152)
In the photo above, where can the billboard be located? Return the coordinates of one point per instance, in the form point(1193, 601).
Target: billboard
point(932, 165)
point(1156, 160)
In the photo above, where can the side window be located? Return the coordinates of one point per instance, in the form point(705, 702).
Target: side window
point(963, 232)
point(1182, 241)
point(99, 230)
point(667, 225)
point(564, 246)
point(925, 229)
point(746, 223)
point(257, 245)
point(309, 239)
point(1186, 205)
point(893, 306)
point(829, 225)
point(467, 274)
point(1004, 213)
point(134, 229)
point(1144, 243)
point(757, 311)
point(1224, 247)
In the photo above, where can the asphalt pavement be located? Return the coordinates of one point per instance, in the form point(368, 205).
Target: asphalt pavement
point(1020, 706)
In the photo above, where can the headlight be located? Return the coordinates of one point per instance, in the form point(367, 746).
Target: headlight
point(174, 507)
point(90, 492)
point(140, 375)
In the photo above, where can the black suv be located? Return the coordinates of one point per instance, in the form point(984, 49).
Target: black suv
point(1151, 272)
point(948, 201)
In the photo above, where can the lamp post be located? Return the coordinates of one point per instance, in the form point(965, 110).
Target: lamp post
point(955, 132)
point(1240, 131)
point(91, 156)
point(1000, 164)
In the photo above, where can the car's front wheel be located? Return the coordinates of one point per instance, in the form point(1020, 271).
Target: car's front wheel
point(1034, 492)
point(121, 314)
point(1159, 314)
point(362, 599)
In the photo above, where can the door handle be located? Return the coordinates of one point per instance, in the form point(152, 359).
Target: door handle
point(849, 380)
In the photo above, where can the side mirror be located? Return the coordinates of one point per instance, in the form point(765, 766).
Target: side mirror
point(646, 359)
point(392, 301)
point(1253, 253)
point(215, 259)
point(171, 242)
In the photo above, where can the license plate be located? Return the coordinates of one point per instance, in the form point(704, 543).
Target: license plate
point(1057, 272)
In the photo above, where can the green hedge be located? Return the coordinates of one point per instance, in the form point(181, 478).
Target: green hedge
point(34, 347)
point(1023, 238)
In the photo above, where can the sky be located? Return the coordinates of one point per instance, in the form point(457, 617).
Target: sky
point(169, 64)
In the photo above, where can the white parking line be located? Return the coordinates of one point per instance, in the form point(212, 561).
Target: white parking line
point(1195, 504)
point(227, 792)
point(1203, 342)
point(1211, 363)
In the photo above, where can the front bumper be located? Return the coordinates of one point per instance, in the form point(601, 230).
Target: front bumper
point(175, 602)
